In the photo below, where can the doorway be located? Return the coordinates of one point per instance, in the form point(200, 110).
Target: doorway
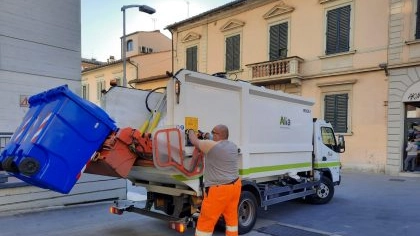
point(412, 129)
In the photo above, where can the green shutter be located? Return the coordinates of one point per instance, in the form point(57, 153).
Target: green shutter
point(418, 20)
point(278, 41)
point(338, 30)
point(233, 53)
point(192, 58)
point(336, 111)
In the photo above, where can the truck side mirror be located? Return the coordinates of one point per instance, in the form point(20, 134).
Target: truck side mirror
point(341, 144)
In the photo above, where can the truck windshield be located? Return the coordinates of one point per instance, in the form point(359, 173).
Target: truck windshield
point(328, 137)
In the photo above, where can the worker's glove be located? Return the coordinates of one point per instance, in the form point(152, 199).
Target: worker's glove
point(200, 135)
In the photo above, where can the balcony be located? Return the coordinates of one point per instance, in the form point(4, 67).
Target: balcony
point(284, 70)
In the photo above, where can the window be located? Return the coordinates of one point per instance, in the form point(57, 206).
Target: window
point(417, 35)
point(336, 110)
point(328, 138)
point(338, 30)
point(233, 53)
point(278, 41)
point(129, 45)
point(192, 58)
point(85, 91)
point(100, 85)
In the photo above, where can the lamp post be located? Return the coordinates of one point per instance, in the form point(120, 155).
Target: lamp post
point(142, 8)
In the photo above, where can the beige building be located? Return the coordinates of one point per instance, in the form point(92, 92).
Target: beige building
point(148, 59)
point(329, 50)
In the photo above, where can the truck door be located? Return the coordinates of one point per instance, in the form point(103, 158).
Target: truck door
point(326, 153)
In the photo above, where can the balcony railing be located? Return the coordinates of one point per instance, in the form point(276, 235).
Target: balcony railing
point(287, 68)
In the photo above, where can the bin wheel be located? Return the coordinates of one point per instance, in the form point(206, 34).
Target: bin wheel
point(29, 166)
point(9, 165)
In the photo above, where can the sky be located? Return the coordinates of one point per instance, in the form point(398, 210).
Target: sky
point(102, 21)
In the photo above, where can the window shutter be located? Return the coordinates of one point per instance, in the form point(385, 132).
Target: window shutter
point(344, 24)
point(85, 91)
point(98, 90)
point(341, 117)
point(192, 58)
point(338, 30)
point(278, 41)
point(418, 20)
point(336, 111)
point(233, 53)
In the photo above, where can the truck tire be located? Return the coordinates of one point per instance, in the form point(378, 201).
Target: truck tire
point(324, 192)
point(247, 212)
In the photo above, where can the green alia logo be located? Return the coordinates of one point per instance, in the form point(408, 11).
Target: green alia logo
point(284, 121)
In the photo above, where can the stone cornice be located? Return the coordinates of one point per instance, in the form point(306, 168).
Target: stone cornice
point(218, 14)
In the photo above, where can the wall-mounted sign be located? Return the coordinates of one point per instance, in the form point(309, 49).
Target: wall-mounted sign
point(412, 94)
point(23, 100)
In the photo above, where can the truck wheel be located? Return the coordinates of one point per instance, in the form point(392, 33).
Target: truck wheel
point(324, 192)
point(247, 212)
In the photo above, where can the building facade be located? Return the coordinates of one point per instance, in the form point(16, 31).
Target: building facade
point(329, 50)
point(40, 49)
point(148, 59)
point(403, 68)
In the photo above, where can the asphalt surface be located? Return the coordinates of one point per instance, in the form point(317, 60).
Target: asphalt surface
point(364, 204)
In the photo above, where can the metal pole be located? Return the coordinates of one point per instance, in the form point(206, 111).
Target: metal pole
point(142, 8)
point(124, 47)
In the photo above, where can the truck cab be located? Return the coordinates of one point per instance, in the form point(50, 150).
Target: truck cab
point(327, 149)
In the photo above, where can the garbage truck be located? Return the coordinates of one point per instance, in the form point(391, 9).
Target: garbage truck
point(140, 135)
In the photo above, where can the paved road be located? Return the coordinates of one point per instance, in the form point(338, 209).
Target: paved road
point(364, 205)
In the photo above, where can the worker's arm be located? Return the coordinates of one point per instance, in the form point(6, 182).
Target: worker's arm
point(193, 138)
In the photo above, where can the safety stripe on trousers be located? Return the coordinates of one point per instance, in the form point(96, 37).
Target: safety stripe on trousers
point(201, 233)
point(231, 230)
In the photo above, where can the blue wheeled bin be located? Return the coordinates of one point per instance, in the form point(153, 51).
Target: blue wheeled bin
point(38, 102)
point(62, 134)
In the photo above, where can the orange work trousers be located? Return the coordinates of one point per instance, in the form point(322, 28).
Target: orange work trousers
point(220, 200)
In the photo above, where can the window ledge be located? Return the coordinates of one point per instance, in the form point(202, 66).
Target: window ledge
point(325, 1)
point(415, 41)
point(234, 71)
point(338, 54)
point(344, 134)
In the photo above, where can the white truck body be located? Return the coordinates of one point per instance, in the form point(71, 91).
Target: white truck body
point(273, 130)
point(280, 143)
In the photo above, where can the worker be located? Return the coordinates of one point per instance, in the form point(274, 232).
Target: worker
point(222, 186)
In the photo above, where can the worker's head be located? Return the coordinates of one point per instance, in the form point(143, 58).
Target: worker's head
point(113, 82)
point(220, 132)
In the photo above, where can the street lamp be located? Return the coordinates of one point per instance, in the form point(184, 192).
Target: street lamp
point(142, 8)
